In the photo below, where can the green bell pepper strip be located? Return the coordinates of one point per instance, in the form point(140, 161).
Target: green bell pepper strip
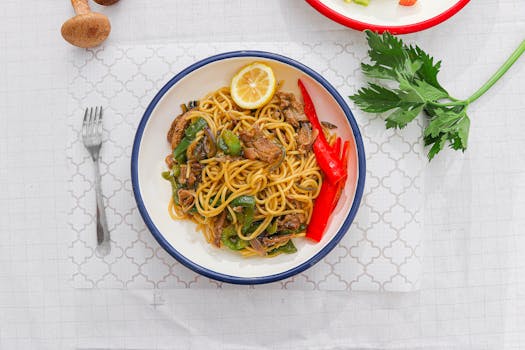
point(272, 228)
point(288, 248)
point(231, 141)
point(246, 219)
point(230, 239)
point(196, 126)
point(301, 228)
point(222, 145)
point(179, 153)
point(243, 201)
point(246, 216)
point(175, 170)
point(167, 175)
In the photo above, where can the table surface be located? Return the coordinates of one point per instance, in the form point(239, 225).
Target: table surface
point(473, 287)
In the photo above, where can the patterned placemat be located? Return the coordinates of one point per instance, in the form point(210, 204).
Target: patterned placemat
point(382, 250)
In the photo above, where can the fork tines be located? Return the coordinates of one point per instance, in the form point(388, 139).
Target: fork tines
point(92, 124)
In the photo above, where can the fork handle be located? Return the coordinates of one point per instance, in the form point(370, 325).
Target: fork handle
point(102, 224)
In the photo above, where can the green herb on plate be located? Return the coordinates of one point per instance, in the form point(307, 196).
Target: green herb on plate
point(360, 2)
point(418, 89)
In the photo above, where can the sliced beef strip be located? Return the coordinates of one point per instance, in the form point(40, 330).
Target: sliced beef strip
point(258, 246)
point(218, 226)
point(267, 151)
point(257, 146)
point(291, 222)
point(305, 137)
point(194, 175)
point(186, 199)
point(250, 153)
point(169, 161)
point(292, 109)
point(273, 240)
point(247, 137)
point(176, 131)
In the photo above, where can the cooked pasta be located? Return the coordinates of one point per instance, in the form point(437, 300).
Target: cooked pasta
point(247, 178)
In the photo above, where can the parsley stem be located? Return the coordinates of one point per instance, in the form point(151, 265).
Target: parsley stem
point(499, 73)
point(454, 102)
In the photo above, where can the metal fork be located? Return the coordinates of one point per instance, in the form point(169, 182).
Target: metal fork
point(92, 138)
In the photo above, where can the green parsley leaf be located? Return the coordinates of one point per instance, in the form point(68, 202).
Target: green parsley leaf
point(418, 89)
point(437, 145)
point(378, 72)
point(429, 70)
point(386, 50)
point(376, 99)
point(447, 125)
point(401, 117)
point(428, 92)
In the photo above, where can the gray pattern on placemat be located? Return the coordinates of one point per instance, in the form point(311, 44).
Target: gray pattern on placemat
point(382, 250)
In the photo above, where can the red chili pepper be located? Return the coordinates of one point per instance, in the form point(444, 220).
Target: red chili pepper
point(321, 211)
point(309, 111)
point(331, 166)
point(336, 148)
point(327, 200)
point(344, 159)
point(346, 151)
point(329, 162)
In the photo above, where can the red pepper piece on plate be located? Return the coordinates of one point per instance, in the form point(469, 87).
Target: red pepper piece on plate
point(333, 166)
point(327, 200)
point(329, 162)
point(337, 146)
point(407, 2)
point(321, 212)
point(330, 165)
point(344, 159)
point(309, 111)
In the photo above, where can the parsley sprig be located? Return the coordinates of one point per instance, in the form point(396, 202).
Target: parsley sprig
point(418, 90)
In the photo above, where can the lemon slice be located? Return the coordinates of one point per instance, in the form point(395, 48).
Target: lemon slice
point(253, 86)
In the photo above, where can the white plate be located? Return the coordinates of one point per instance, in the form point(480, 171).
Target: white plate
point(152, 193)
point(383, 15)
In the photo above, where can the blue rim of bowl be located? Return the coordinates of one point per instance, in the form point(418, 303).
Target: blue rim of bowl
point(224, 277)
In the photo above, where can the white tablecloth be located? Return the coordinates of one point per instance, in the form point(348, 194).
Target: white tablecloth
point(473, 288)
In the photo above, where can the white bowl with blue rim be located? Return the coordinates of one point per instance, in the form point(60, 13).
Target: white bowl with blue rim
point(152, 193)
